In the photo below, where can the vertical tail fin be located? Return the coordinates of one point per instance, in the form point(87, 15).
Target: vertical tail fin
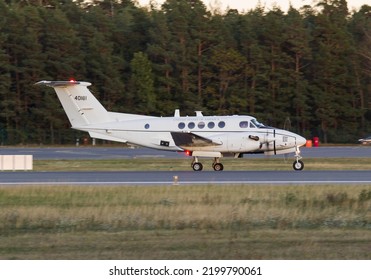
point(80, 105)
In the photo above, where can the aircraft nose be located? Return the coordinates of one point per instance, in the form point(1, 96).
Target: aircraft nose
point(300, 141)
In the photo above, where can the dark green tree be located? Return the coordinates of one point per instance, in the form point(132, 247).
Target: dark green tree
point(141, 84)
point(297, 46)
point(333, 52)
point(249, 42)
point(181, 17)
point(6, 100)
point(101, 66)
point(228, 65)
point(25, 58)
point(162, 57)
point(311, 65)
point(278, 95)
point(360, 28)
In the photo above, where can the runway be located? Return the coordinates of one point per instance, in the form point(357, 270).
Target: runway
point(136, 178)
point(184, 177)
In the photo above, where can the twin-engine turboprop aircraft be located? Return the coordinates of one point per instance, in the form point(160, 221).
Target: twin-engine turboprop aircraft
point(198, 136)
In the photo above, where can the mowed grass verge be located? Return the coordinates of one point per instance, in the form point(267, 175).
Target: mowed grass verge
point(180, 164)
point(186, 222)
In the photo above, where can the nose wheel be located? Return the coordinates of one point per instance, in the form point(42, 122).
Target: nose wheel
point(298, 165)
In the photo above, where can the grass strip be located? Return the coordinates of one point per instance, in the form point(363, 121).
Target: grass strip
point(163, 164)
point(186, 222)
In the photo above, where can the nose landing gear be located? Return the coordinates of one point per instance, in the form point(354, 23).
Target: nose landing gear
point(298, 164)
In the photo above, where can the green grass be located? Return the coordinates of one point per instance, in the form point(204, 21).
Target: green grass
point(192, 222)
point(185, 164)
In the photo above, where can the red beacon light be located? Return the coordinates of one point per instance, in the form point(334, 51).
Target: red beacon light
point(72, 81)
point(188, 153)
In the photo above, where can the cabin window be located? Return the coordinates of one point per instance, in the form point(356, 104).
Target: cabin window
point(201, 125)
point(244, 124)
point(146, 126)
point(252, 125)
point(211, 125)
point(221, 124)
point(181, 125)
point(191, 125)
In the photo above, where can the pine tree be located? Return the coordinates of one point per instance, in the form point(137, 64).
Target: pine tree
point(162, 56)
point(360, 27)
point(252, 49)
point(61, 47)
point(141, 84)
point(333, 53)
point(297, 46)
point(6, 101)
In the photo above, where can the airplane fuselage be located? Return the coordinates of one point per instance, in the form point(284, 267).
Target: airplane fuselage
point(229, 134)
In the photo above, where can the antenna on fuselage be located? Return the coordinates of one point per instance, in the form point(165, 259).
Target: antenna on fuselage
point(199, 114)
point(177, 113)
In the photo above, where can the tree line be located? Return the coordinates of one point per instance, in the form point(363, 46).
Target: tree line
point(307, 69)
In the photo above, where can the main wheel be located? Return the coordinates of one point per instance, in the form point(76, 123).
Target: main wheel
point(197, 166)
point(298, 165)
point(218, 166)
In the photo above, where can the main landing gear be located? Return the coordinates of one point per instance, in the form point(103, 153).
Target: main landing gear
point(298, 164)
point(217, 166)
point(197, 166)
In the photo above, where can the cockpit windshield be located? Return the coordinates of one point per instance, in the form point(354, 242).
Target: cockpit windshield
point(257, 124)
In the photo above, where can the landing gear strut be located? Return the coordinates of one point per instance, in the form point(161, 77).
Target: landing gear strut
point(298, 164)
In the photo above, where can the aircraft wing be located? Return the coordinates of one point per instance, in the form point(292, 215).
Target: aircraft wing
point(189, 139)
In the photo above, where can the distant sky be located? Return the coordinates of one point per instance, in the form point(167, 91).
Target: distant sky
point(245, 5)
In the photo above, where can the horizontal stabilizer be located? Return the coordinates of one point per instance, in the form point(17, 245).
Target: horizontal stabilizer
point(62, 83)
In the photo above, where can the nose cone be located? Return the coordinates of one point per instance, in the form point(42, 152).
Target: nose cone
point(300, 141)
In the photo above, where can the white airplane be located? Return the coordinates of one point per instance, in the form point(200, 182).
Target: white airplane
point(197, 136)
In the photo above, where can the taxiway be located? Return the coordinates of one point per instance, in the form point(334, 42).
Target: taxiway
point(184, 177)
